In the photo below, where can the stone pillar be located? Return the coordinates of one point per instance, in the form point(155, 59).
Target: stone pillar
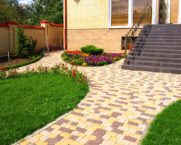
point(46, 24)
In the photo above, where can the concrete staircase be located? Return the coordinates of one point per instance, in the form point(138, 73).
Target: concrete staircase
point(159, 51)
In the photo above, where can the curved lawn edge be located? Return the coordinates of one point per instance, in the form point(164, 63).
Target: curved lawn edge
point(166, 127)
point(26, 63)
point(69, 105)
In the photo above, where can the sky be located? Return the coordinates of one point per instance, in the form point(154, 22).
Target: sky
point(25, 1)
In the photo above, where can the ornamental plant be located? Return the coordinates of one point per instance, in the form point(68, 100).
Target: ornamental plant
point(91, 49)
point(24, 46)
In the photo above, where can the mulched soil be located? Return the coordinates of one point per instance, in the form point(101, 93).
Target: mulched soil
point(13, 62)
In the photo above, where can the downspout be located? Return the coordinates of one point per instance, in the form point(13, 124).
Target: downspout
point(8, 42)
point(65, 24)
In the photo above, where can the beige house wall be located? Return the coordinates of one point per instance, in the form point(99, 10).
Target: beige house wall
point(87, 14)
point(108, 39)
point(174, 11)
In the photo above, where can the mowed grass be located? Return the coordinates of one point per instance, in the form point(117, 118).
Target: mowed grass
point(166, 127)
point(29, 102)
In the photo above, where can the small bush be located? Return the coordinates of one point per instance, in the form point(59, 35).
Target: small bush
point(92, 50)
point(24, 46)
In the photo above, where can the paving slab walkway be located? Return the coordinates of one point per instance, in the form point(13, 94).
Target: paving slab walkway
point(117, 110)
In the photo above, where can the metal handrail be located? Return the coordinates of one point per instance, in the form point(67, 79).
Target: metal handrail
point(134, 28)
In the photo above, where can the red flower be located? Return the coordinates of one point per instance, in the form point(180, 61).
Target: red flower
point(72, 63)
point(15, 72)
point(66, 68)
point(3, 68)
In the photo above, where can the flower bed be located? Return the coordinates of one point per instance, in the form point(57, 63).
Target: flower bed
point(84, 59)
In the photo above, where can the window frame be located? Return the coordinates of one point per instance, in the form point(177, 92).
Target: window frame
point(130, 14)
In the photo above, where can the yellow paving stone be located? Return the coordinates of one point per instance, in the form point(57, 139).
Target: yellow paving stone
point(90, 137)
point(92, 128)
point(59, 143)
point(73, 127)
point(38, 135)
point(81, 134)
point(41, 143)
point(68, 141)
point(56, 126)
point(52, 135)
point(66, 135)
point(24, 142)
point(110, 133)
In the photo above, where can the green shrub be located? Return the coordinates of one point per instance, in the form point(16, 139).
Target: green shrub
point(24, 46)
point(92, 50)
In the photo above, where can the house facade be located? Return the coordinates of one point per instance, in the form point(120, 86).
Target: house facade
point(104, 23)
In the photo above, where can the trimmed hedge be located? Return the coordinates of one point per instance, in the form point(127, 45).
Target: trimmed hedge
point(26, 63)
point(91, 49)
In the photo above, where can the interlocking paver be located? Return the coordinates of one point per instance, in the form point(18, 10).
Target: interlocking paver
point(117, 110)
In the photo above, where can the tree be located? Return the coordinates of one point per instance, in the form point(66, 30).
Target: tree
point(51, 10)
point(24, 46)
point(12, 10)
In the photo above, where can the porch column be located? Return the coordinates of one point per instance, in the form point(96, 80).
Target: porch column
point(130, 13)
point(169, 11)
point(179, 14)
point(154, 11)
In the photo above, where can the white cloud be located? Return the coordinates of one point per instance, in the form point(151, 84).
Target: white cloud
point(26, 2)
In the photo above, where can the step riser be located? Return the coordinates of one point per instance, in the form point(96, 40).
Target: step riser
point(163, 41)
point(162, 70)
point(157, 64)
point(162, 44)
point(161, 47)
point(161, 55)
point(169, 60)
point(164, 37)
point(161, 51)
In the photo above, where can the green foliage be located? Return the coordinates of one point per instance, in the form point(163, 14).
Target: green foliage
point(51, 10)
point(2, 74)
point(33, 99)
point(11, 10)
point(26, 63)
point(24, 46)
point(92, 50)
point(166, 127)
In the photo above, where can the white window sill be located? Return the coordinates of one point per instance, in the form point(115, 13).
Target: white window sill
point(123, 27)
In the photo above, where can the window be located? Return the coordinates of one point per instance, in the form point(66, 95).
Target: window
point(138, 11)
point(129, 12)
point(119, 15)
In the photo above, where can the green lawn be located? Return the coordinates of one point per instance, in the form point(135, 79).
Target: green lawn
point(29, 102)
point(166, 127)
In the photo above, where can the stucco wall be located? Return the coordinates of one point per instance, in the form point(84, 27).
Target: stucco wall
point(3, 40)
point(87, 14)
point(108, 39)
point(8, 36)
point(36, 34)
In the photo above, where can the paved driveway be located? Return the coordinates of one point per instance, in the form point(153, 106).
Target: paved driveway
point(116, 111)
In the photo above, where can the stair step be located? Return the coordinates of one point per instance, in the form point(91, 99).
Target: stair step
point(161, 40)
point(163, 37)
point(161, 59)
point(164, 34)
point(162, 47)
point(166, 55)
point(152, 69)
point(163, 44)
point(154, 63)
point(170, 51)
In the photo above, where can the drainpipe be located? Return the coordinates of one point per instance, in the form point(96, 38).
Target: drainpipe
point(65, 24)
